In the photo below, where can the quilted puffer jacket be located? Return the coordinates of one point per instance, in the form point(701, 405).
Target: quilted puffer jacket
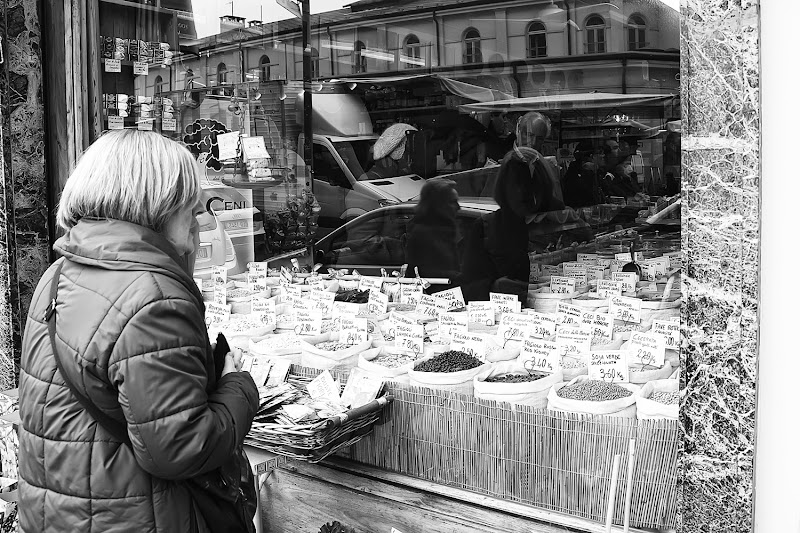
point(130, 332)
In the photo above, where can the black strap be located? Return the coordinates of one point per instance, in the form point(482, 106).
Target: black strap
point(116, 428)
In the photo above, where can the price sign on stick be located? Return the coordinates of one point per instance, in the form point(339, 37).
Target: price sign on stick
point(323, 301)
point(671, 332)
point(562, 285)
point(625, 309)
point(427, 306)
point(370, 283)
point(454, 298)
point(513, 327)
point(608, 365)
point(410, 338)
point(410, 294)
point(602, 325)
point(647, 349)
point(377, 303)
point(628, 280)
point(568, 314)
point(505, 303)
point(540, 355)
point(452, 321)
point(470, 343)
point(607, 288)
point(217, 314)
point(308, 322)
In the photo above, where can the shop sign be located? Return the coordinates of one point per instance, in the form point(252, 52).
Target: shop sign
point(609, 365)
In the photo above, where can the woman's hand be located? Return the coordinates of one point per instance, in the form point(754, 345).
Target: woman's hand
point(233, 361)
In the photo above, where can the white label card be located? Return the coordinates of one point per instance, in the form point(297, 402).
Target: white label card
point(169, 124)
point(228, 145)
point(286, 276)
point(116, 123)
point(581, 280)
point(144, 124)
point(345, 309)
point(481, 313)
point(655, 269)
point(308, 322)
point(410, 294)
point(217, 314)
point(571, 269)
point(323, 301)
point(353, 336)
point(454, 298)
point(112, 65)
point(220, 276)
point(254, 148)
point(265, 310)
point(607, 288)
point(602, 325)
point(628, 280)
point(647, 349)
point(377, 303)
point(596, 272)
point(551, 270)
point(539, 355)
point(370, 283)
point(410, 338)
point(427, 306)
point(323, 387)
point(608, 365)
point(568, 314)
point(671, 332)
point(574, 342)
point(452, 321)
point(470, 343)
point(625, 309)
point(513, 326)
point(505, 303)
point(590, 259)
point(562, 285)
point(542, 326)
point(617, 265)
point(293, 295)
point(626, 256)
point(140, 68)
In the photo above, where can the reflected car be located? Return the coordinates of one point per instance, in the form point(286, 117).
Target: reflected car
point(215, 249)
point(240, 220)
point(377, 239)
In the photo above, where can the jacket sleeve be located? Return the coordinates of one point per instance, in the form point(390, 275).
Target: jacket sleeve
point(160, 366)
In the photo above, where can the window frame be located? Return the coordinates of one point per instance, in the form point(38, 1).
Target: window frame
point(593, 33)
point(264, 68)
point(472, 47)
point(540, 31)
point(637, 29)
point(412, 50)
point(359, 61)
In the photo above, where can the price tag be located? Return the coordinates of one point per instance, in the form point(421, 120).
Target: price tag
point(505, 303)
point(410, 338)
point(217, 314)
point(377, 303)
point(602, 325)
point(608, 365)
point(112, 65)
point(454, 298)
point(410, 294)
point(264, 311)
point(606, 263)
point(568, 314)
point(323, 387)
point(589, 259)
point(144, 124)
point(353, 336)
point(596, 272)
point(116, 123)
point(399, 318)
point(427, 306)
point(308, 322)
point(370, 283)
point(551, 270)
point(257, 277)
point(452, 321)
point(573, 268)
point(647, 349)
point(473, 344)
point(285, 276)
point(316, 283)
point(539, 355)
point(607, 288)
point(513, 327)
point(626, 256)
point(616, 265)
point(220, 277)
point(655, 269)
point(675, 259)
point(140, 68)
point(481, 313)
point(345, 309)
point(625, 309)
point(574, 342)
point(671, 332)
point(562, 285)
point(628, 280)
point(169, 124)
point(581, 280)
point(542, 326)
point(323, 301)
point(293, 295)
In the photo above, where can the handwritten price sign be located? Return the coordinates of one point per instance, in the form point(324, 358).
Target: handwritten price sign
point(377, 303)
point(647, 349)
point(542, 326)
point(628, 280)
point(505, 303)
point(471, 343)
point(568, 314)
point(370, 283)
point(625, 309)
point(589, 259)
point(454, 298)
point(217, 314)
point(323, 301)
point(562, 285)
point(308, 322)
point(540, 355)
point(609, 365)
point(481, 313)
point(452, 321)
point(513, 326)
point(607, 288)
point(410, 338)
point(427, 306)
point(410, 294)
point(671, 332)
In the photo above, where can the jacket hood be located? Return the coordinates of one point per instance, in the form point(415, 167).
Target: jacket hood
point(117, 245)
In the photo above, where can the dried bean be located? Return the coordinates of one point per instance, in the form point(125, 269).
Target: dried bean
point(593, 390)
point(516, 378)
point(393, 360)
point(668, 398)
point(450, 361)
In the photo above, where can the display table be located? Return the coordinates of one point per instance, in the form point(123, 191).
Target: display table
point(298, 496)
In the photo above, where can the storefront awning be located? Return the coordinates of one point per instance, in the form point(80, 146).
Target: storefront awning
point(568, 101)
point(470, 91)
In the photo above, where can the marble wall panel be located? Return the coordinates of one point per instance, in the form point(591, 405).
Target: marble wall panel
point(720, 224)
point(24, 221)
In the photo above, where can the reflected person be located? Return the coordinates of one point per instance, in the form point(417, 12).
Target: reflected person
point(390, 153)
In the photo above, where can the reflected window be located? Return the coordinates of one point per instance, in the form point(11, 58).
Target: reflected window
point(595, 35)
point(537, 40)
point(158, 85)
point(359, 59)
point(472, 46)
point(222, 74)
point(636, 32)
point(263, 69)
point(314, 63)
point(412, 52)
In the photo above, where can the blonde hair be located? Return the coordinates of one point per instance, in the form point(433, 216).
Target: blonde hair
point(135, 176)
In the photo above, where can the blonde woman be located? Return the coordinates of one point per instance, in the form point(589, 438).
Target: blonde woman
point(123, 414)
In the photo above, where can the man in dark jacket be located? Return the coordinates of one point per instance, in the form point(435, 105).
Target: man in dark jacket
point(130, 333)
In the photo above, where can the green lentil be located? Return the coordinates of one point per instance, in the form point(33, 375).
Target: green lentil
point(668, 398)
point(593, 390)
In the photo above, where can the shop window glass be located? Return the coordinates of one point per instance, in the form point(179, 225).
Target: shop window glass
point(595, 35)
point(412, 53)
point(314, 63)
point(263, 72)
point(472, 46)
point(359, 59)
point(636, 32)
point(537, 40)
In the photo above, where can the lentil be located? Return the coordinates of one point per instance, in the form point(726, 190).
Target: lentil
point(515, 378)
point(668, 398)
point(449, 361)
point(593, 390)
